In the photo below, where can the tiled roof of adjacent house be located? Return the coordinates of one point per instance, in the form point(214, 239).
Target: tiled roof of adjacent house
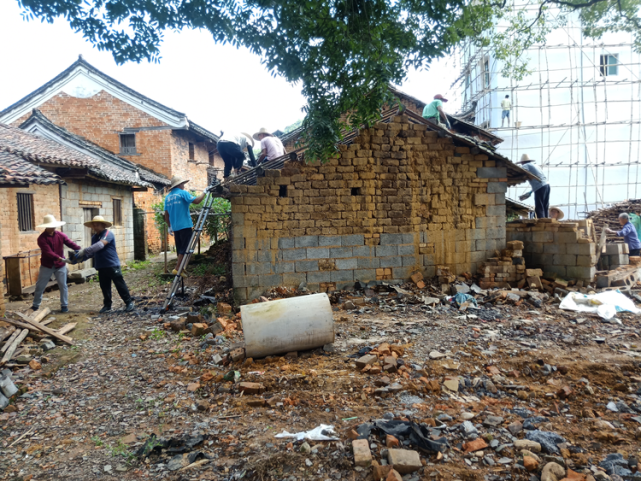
point(176, 119)
point(93, 150)
point(15, 170)
point(43, 151)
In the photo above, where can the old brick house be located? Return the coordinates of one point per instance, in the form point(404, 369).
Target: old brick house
point(45, 172)
point(404, 196)
point(87, 102)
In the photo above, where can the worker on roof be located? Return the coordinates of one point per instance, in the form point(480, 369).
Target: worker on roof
point(230, 147)
point(541, 188)
point(271, 146)
point(629, 234)
point(434, 112)
point(506, 106)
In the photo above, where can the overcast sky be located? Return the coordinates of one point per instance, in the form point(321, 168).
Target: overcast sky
point(217, 86)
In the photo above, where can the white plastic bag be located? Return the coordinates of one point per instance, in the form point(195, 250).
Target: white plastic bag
point(319, 433)
point(606, 304)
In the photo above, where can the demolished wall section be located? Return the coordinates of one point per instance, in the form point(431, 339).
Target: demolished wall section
point(399, 199)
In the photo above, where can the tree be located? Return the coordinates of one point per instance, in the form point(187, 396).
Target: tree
point(343, 52)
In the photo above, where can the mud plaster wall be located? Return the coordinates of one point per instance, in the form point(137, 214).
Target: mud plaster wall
point(399, 199)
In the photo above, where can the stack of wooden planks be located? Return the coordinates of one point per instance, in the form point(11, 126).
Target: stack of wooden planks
point(609, 216)
point(31, 324)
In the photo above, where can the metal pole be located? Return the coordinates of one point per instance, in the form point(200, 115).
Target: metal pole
point(165, 238)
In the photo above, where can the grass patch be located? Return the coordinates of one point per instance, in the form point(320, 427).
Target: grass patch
point(208, 269)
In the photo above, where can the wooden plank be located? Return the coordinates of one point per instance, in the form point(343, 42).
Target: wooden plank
point(51, 332)
point(15, 334)
point(48, 321)
point(67, 328)
point(5, 332)
point(32, 289)
point(40, 314)
point(22, 325)
point(14, 280)
point(14, 345)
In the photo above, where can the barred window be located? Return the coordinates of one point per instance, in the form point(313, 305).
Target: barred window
point(25, 212)
point(127, 144)
point(117, 207)
point(192, 153)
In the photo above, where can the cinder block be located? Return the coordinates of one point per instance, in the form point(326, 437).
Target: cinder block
point(386, 250)
point(564, 260)
point(495, 211)
point(350, 263)
point(549, 248)
point(409, 250)
point(613, 249)
point(495, 234)
point(258, 268)
point(560, 271)
point(283, 267)
point(581, 249)
point(365, 275)
point(294, 279)
point(477, 256)
point(341, 276)
point(618, 260)
point(581, 272)
point(499, 199)
point(396, 239)
point(402, 273)
point(287, 242)
point(410, 261)
point(340, 252)
point(543, 236)
point(295, 254)
point(240, 294)
point(305, 266)
point(566, 237)
point(270, 280)
point(491, 172)
point(319, 276)
point(307, 241)
point(264, 256)
point(352, 240)
point(363, 251)
point(329, 241)
point(391, 261)
point(368, 262)
point(496, 187)
point(585, 261)
point(474, 234)
point(237, 269)
point(318, 253)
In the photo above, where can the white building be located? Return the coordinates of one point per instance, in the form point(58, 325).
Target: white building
point(578, 114)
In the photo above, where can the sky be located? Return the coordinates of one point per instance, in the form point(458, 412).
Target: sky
point(218, 87)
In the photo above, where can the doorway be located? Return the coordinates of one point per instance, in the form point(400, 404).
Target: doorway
point(89, 214)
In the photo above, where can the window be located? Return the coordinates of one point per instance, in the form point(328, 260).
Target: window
point(486, 73)
point(128, 144)
point(192, 154)
point(25, 212)
point(609, 65)
point(117, 211)
point(211, 158)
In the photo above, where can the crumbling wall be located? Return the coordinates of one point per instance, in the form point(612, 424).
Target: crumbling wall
point(564, 249)
point(399, 199)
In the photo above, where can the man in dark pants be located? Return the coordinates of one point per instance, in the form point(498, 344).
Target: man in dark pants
point(540, 187)
point(230, 147)
point(107, 263)
point(629, 234)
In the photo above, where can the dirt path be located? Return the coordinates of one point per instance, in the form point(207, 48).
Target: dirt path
point(128, 379)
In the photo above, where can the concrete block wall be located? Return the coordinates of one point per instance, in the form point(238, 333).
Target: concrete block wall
point(399, 199)
point(565, 249)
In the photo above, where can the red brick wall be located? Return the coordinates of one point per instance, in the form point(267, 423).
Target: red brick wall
point(145, 201)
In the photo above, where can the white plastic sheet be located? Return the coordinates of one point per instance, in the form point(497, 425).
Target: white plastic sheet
point(317, 434)
point(605, 304)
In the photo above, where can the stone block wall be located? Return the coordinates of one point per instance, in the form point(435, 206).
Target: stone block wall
point(565, 249)
point(399, 199)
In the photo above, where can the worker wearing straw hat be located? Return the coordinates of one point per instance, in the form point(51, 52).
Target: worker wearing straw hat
point(107, 263)
point(52, 261)
point(230, 147)
point(556, 213)
point(177, 216)
point(540, 187)
point(271, 147)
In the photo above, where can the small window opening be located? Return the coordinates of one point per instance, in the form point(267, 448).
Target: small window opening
point(486, 73)
point(211, 158)
point(356, 191)
point(25, 212)
point(609, 65)
point(128, 144)
point(117, 208)
point(191, 151)
point(282, 191)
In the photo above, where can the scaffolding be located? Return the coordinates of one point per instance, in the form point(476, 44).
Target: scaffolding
point(578, 114)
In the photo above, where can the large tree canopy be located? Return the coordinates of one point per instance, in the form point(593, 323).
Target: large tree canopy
point(343, 52)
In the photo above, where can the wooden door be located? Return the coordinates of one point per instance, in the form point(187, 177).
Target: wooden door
point(89, 213)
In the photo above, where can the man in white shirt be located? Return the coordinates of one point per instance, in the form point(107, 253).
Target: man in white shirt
point(230, 147)
point(271, 147)
point(506, 105)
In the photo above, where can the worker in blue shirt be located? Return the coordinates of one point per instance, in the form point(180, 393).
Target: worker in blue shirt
point(540, 187)
point(629, 233)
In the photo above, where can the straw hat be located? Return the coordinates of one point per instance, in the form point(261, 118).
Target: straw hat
point(98, 218)
point(176, 181)
point(249, 137)
point(525, 159)
point(263, 130)
point(50, 221)
point(560, 215)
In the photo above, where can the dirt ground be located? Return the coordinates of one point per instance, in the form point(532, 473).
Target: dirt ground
point(133, 399)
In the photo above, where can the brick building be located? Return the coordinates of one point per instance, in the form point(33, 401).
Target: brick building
point(403, 196)
point(86, 102)
point(53, 176)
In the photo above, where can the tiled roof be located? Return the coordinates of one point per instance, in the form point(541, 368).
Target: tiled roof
point(94, 150)
point(15, 170)
point(141, 99)
point(43, 151)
